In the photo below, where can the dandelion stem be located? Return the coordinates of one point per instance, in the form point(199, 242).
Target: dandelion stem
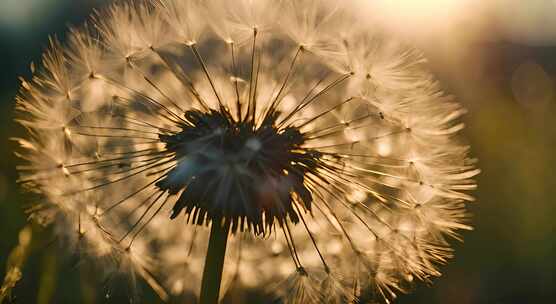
point(214, 263)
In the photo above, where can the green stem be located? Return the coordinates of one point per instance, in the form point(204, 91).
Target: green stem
point(214, 263)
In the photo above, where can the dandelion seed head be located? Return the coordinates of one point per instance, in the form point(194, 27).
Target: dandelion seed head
point(326, 147)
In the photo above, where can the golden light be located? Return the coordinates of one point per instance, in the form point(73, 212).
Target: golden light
point(418, 15)
point(433, 10)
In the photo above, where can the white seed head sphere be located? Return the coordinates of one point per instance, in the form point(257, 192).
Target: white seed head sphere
point(326, 148)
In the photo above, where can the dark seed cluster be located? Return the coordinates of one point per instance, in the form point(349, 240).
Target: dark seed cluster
point(237, 173)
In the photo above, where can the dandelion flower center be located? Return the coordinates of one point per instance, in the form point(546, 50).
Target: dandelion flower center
point(237, 172)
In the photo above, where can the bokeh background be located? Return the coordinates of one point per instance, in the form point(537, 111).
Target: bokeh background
point(497, 56)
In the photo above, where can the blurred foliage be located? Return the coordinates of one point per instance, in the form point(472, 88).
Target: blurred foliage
point(508, 258)
point(15, 264)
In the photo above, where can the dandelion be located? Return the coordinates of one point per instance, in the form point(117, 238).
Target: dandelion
point(210, 146)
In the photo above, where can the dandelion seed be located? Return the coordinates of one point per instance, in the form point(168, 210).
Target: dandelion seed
point(199, 144)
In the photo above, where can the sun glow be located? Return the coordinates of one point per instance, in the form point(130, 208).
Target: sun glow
point(434, 9)
point(409, 15)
